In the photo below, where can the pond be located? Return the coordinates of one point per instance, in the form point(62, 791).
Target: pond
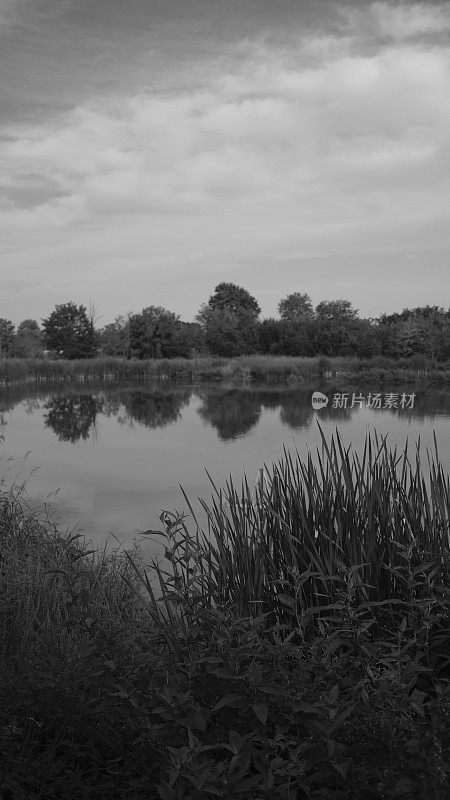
point(110, 459)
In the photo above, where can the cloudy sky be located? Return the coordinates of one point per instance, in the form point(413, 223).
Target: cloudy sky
point(150, 149)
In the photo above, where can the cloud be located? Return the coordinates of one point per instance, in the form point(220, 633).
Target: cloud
point(27, 12)
point(262, 131)
point(404, 20)
point(280, 154)
point(397, 20)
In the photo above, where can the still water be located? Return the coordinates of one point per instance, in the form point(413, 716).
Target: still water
point(111, 459)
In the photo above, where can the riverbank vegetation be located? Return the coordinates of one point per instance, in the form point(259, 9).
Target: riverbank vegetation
point(377, 371)
point(230, 325)
point(297, 648)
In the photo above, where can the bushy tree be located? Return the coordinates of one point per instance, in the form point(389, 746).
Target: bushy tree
point(228, 296)
point(364, 340)
point(424, 330)
point(433, 322)
point(334, 320)
point(228, 334)
point(29, 340)
point(6, 337)
point(298, 337)
point(114, 339)
point(269, 337)
point(192, 338)
point(69, 332)
point(296, 307)
point(156, 333)
point(230, 321)
point(336, 311)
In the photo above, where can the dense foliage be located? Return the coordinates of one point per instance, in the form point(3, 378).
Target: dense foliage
point(69, 332)
point(29, 340)
point(299, 650)
point(229, 321)
point(229, 325)
point(6, 337)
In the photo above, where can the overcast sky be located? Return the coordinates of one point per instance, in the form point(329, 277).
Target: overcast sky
point(150, 149)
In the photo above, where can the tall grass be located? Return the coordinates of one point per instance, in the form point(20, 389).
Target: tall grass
point(297, 648)
point(254, 369)
point(284, 547)
point(246, 368)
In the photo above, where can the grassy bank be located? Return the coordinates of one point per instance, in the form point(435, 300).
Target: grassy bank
point(246, 369)
point(298, 648)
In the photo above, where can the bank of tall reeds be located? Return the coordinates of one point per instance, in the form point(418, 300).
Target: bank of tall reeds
point(245, 369)
point(299, 647)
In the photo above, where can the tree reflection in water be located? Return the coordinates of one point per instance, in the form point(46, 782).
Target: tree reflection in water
point(73, 417)
point(232, 412)
point(296, 410)
point(72, 412)
point(155, 408)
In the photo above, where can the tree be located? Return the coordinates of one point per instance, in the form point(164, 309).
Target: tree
point(334, 319)
point(269, 341)
point(298, 337)
point(29, 340)
point(69, 332)
point(228, 334)
point(114, 339)
point(156, 333)
point(230, 321)
point(235, 299)
point(296, 307)
point(296, 326)
point(364, 340)
point(336, 310)
point(410, 338)
point(423, 331)
point(192, 338)
point(433, 322)
point(6, 337)
point(93, 315)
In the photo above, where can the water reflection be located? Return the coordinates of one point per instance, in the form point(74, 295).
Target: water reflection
point(232, 413)
point(73, 418)
point(72, 412)
point(294, 414)
point(154, 409)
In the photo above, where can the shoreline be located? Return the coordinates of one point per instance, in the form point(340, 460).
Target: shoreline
point(245, 370)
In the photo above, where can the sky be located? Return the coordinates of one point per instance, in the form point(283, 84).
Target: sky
point(151, 149)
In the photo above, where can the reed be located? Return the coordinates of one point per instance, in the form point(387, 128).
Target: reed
point(42, 571)
point(245, 369)
point(285, 547)
point(331, 576)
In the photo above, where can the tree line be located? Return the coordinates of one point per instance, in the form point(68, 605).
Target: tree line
point(229, 325)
